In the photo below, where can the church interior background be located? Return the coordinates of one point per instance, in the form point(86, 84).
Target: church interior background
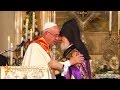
point(99, 32)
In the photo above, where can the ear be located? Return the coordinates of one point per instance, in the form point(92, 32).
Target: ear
point(74, 54)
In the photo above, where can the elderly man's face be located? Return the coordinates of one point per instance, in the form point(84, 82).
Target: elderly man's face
point(64, 43)
point(53, 34)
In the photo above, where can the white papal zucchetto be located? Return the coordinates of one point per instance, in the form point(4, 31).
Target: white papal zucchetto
point(49, 25)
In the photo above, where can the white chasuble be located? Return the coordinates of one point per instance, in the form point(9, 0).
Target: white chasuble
point(36, 56)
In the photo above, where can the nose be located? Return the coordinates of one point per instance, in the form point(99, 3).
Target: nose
point(59, 39)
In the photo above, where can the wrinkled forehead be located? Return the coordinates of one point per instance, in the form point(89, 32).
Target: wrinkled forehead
point(61, 38)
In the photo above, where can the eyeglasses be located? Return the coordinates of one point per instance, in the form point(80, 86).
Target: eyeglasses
point(55, 35)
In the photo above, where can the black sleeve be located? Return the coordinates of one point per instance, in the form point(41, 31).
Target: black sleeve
point(58, 76)
point(3, 60)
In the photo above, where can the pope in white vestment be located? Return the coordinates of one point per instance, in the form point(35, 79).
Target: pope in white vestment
point(37, 55)
point(38, 52)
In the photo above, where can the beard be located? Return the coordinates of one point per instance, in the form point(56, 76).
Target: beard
point(63, 46)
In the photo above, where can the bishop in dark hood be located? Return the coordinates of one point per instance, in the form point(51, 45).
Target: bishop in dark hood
point(71, 31)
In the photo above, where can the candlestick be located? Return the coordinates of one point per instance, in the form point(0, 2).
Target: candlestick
point(8, 45)
point(110, 21)
point(54, 17)
point(11, 55)
point(33, 24)
point(30, 34)
point(26, 28)
point(21, 48)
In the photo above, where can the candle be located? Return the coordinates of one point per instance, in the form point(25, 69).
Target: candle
point(110, 21)
point(21, 22)
point(21, 48)
point(43, 19)
point(11, 55)
point(91, 62)
point(118, 22)
point(33, 23)
point(54, 17)
point(26, 34)
point(17, 36)
point(8, 45)
point(30, 34)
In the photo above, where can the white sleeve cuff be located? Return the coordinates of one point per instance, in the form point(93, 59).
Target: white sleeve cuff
point(65, 68)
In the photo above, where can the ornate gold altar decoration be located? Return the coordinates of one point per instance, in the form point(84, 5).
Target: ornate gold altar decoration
point(110, 53)
point(109, 61)
point(23, 72)
point(114, 63)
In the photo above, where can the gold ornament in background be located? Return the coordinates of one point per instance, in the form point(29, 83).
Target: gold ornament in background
point(7, 69)
point(114, 63)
